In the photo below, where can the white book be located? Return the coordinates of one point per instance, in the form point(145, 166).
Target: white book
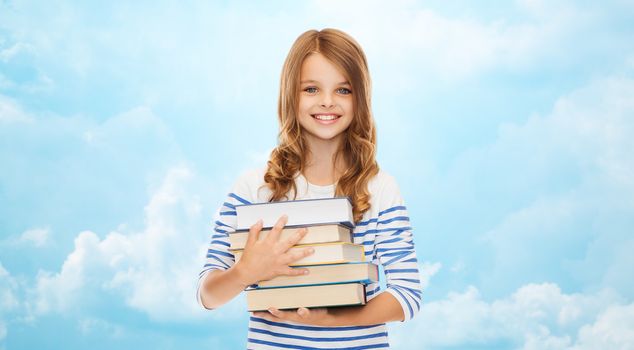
point(305, 212)
point(325, 253)
point(365, 273)
point(315, 234)
point(306, 296)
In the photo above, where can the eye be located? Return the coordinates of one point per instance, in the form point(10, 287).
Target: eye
point(344, 91)
point(311, 89)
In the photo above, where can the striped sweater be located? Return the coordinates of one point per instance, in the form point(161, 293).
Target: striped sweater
point(386, 236)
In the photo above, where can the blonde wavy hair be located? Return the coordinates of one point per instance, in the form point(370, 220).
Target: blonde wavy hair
point(358, 147)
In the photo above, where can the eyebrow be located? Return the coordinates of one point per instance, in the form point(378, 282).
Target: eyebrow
point(315, 81)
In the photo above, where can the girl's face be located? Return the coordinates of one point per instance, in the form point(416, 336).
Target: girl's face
point(325, 100)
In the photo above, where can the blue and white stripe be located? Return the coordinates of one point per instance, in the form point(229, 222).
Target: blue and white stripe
point(386, 236)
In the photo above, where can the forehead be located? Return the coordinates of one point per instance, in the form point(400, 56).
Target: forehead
point(317, 68)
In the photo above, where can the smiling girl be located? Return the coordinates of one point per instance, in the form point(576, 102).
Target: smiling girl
point(326, 148)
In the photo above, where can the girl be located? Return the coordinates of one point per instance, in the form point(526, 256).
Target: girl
point(327, 146)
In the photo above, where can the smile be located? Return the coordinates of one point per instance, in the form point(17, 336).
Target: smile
point(326, 117)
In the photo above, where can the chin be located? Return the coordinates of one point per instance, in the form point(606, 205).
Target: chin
point(329, 137)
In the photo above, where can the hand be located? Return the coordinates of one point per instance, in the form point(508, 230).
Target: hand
point(316, 317)
point(266, 258)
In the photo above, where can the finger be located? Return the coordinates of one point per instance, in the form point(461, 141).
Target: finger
point(263, 314)
point(294, 271)
point(303, 312)
point(254, 233)
point(287, 244)
point(274, 235)
point(277, 313)
point(295, 254)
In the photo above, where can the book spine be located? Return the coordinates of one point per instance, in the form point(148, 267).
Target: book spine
point(349, 224)
point(361, 281)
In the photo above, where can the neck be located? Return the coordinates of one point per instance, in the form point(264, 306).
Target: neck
point(320, 168)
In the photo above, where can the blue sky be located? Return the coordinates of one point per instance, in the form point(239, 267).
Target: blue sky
point(509, 127)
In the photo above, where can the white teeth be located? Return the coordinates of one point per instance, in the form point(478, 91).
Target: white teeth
point(325, 116)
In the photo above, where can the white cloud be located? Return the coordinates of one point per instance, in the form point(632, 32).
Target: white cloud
point(543, 340)
point(550, 199)
point(257, 158)
point(549, 10)
point(8, 291)
point(67, 289)
point(10, 112)
point(427, 270)
point(583, 146)
point(153, 271)
point(536, 316)
point(123, 131)
point(6, 54)
point(405, 34)
point(614, 329)
point(458, 266)
point(9, 301)
point(88, 326)
point(36, 236)
point(67, 157)
point(406, 38)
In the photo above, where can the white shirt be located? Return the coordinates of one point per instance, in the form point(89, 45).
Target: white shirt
point(385, 234)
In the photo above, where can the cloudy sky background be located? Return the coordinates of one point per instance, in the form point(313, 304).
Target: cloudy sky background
point(509, 127)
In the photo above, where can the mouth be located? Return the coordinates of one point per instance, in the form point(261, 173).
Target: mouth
point(326, 118)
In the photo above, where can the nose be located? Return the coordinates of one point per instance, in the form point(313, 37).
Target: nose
point(326, 100)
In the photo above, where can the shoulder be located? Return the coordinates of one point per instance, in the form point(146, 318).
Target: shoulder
point(382, 182)
point(384, 191)
point(252, 176)
point(249, 184)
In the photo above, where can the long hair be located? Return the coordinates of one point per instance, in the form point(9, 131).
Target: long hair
point(358, 147)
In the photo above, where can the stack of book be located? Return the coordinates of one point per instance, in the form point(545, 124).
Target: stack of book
point(338, 271)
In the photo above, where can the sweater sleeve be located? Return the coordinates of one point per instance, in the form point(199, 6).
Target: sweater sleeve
point(394, 247)
point(218, 255)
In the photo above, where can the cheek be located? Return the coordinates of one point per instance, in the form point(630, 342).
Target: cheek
point(349, 122)
point(303, 105)
point(349, 105)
